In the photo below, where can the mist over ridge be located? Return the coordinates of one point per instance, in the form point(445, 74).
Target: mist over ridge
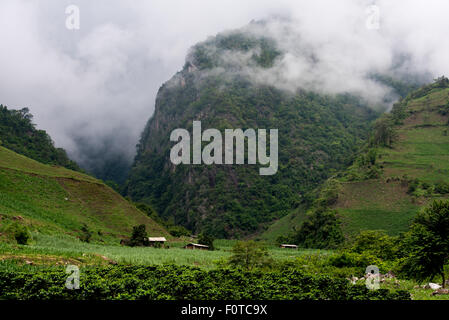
point(97, 85)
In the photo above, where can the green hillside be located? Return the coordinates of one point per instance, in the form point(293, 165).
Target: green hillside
point(403, 168)
point(56, 201)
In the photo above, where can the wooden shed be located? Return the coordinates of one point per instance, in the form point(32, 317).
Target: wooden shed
point(288, 246)
point(196, 246)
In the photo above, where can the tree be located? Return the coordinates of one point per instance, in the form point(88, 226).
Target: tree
point(428, 242)
point(207, 240)
point(139, 236)
point(249, 255)
point(384, 133)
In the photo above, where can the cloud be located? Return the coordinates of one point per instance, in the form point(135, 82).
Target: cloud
point(101, 81)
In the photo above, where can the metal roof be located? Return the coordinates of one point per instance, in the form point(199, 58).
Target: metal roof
point(197, 245)
point(157, 239)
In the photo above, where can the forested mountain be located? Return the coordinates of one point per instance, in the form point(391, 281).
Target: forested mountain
point(18, 133)
point(318, 135)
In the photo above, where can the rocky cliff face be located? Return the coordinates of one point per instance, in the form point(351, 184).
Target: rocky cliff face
point(318, 134)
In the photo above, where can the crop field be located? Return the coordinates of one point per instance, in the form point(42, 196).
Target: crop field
point(86, 253)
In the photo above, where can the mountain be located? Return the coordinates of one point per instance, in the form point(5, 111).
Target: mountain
point(318, 136)
point(53, 200)
point(18, 133)
point(402, 168)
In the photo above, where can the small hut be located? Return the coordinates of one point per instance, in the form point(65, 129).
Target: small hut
point(196, 246)
point(157, 241)
point(288, 246)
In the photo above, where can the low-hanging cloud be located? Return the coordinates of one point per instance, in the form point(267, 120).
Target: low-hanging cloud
point(99, 82)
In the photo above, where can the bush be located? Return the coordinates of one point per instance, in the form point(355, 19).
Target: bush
point(86, 234)
point(413, 186)
point(178, 231)
point(250, 255)
point(22, 235)
point(376, 243)
point(358, 261)
point(442, 187)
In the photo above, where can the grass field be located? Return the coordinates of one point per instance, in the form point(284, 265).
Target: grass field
point(46, 248)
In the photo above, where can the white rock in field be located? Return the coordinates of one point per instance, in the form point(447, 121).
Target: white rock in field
point(434, 286)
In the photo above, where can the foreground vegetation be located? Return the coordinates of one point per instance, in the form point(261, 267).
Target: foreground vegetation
point(37, 271)
point(180, 282)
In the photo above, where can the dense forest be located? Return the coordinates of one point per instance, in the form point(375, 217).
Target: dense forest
point(19, 133)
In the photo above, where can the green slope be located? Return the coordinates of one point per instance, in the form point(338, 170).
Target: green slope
point(420, 151)
point(407, 174)
point(54, 200)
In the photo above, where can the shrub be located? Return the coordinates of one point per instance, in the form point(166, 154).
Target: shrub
point(178, 231)
point(86, 234)
point(376, 243)
point(412, 186)
point(207, 240)
point(249, 255)
point(358, 261)
point(22, 235)
point(442, 187)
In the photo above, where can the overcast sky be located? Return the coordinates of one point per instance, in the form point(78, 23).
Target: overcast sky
point(102, 79)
